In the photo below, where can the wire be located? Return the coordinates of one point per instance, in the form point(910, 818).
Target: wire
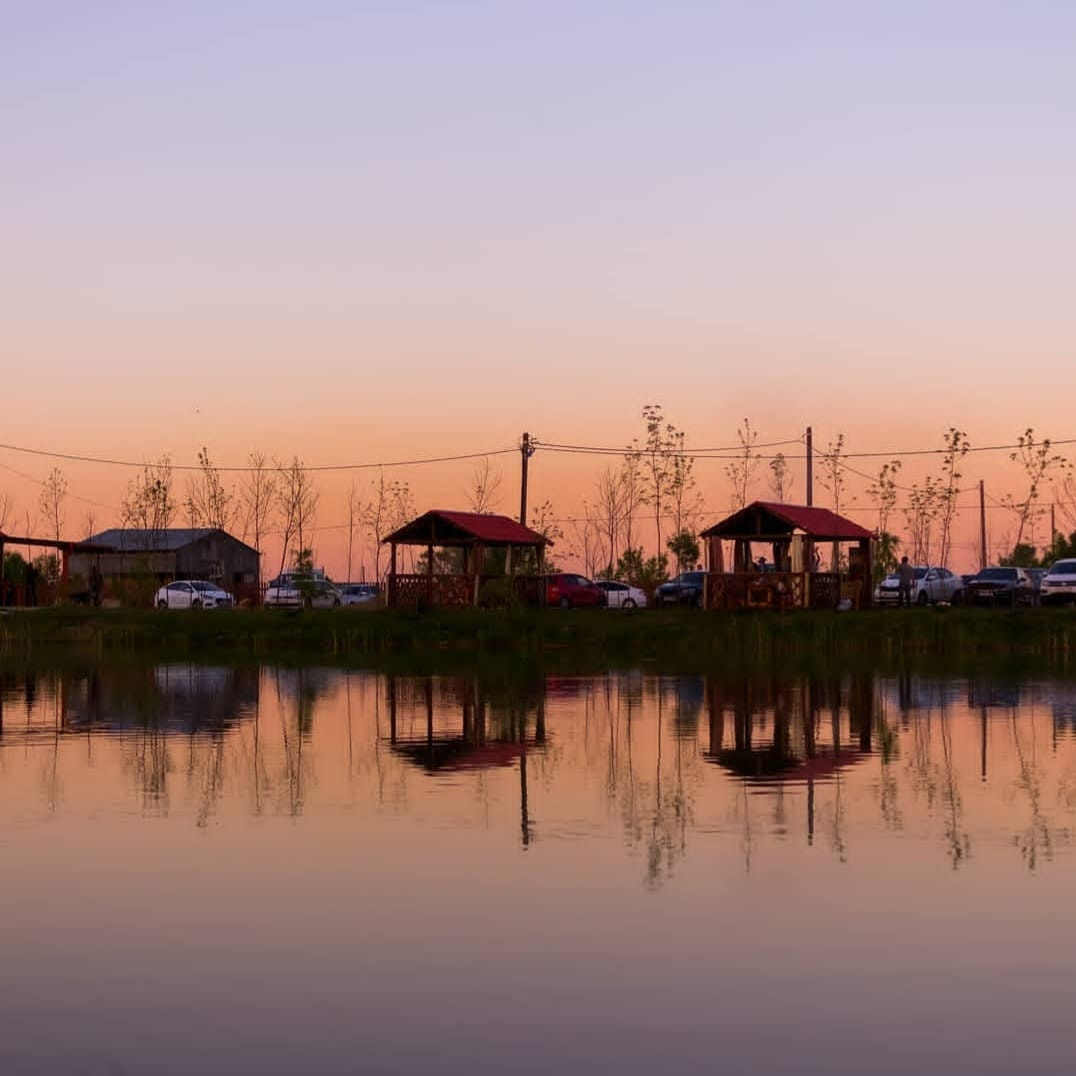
point(277, 467)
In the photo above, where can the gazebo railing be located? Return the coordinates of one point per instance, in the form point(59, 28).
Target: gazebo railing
point(419, 589)
point(781, 590)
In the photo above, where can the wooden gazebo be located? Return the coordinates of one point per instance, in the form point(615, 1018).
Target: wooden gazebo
point(790, 579)
point(476, 535)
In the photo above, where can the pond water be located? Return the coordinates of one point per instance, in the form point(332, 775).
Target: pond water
point(313, 870)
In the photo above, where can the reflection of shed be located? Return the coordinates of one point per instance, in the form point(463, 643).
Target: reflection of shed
point(472, 537)
point(791, 534)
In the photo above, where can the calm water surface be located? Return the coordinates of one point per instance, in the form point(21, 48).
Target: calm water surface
point(209, 869)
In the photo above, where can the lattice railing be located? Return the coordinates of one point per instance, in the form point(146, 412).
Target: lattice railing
point(430, 590)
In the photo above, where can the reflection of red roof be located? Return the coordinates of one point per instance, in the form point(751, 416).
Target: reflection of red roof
point(769, 517)
point(492, 754)
point(441, 525)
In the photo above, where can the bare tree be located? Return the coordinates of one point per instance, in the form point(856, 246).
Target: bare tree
point(6, 509)
point(389, 507)
point(354, 515)
point(89, 524)
point(258, 495)
point(780, 477)
point(544, 521)
point(51, 501)
point(298, 501)
point(741, 471)
point(485, 484)
point(1038, 462)
point(590, 542)
point(884, 491)
point(685, 502)
point(208, 502)
point(632, 485)
point(610, 510)
point(957, 447)
point(148, 504)
point(833, 471)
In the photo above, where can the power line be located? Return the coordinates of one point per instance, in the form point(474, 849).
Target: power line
point(77, 458)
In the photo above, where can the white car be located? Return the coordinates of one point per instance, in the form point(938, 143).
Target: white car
point(293, 591)
point(358, 593)
point(193, 594)
point(931, 585)
point(622, 595)
point(1059, 584)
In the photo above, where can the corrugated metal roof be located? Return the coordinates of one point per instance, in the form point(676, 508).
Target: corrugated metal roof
point(477, 526)
point(820, 523)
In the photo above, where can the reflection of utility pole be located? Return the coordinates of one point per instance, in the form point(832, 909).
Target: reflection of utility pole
point(982, 736)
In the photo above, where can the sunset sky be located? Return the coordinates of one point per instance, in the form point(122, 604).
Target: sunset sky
point(361, 232)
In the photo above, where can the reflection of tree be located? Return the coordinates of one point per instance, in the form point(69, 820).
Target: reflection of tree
point(1035, 839)
point(957, 839)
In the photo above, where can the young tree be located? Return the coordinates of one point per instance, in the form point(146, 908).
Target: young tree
point(51, 501)
point(298, 501)
point(684, 547)
point(833, 478)
point(544, 521)
point(148, 504)
point(632, 491)
point(957, 446)
point(920, 515)
point(258, 495)
point(209, 503)
point(647, 573)
point(485, 486)
point(1038, 462)
point(685, 503)
point(780, 477)
point(388, 508)
point(89, 524)
point(741, 471)
point(884, 491)
point(655, 458)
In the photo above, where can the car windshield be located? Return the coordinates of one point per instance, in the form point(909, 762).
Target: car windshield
point(1064, 567)
point(201, 584)
point(997, 573)
point(690, 577)
point(920, 573)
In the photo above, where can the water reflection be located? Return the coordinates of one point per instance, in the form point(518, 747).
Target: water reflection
point(663, 763)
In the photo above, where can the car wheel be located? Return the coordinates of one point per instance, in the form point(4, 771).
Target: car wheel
point(162, 604)
point(922, 599)
point(628, 604)
point(565, 604)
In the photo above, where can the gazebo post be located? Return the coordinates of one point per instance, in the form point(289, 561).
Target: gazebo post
point(392, 573)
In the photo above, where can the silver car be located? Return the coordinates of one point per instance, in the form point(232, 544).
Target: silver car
point(931, 586)
point(192, 594)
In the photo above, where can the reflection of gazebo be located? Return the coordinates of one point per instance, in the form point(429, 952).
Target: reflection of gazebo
point(791, 533)
point(475, 536)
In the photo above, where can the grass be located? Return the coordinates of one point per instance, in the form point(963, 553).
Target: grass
point(584, 639)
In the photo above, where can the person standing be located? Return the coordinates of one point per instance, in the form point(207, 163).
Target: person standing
point(905, 579)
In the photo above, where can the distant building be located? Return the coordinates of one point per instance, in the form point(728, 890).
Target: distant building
point(125, 554)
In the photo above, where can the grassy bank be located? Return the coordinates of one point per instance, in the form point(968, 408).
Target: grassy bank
point(580, 637)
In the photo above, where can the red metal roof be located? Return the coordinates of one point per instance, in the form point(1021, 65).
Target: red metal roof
point(477, 526)
point(814, 522)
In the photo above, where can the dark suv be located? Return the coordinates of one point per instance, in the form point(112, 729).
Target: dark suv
point(685, 589)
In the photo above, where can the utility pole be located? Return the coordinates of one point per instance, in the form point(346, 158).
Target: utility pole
point(982, 524)
point(526, 450)
point(810, 468)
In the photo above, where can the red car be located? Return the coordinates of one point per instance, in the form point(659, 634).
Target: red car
point(567, 590)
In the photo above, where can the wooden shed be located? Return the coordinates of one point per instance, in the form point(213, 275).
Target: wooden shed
point(790, 579)
point(474, 536)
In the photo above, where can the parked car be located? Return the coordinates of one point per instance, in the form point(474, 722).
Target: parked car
point(358, 593)
point(1058, 586)
point(292, 590)
point(622, 595)
point(569, 590)
point(192, 594)
point(685, 589)
point(1000, 586)
point(931, 585)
